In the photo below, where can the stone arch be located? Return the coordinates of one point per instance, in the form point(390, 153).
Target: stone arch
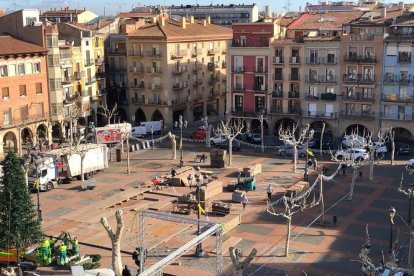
point(318, 125)
point(358, 128)
point(284, 123)
point(26, 135)
point(255, 126)
point(42, 131)
point(140, 116)
point(57, 131)
point(10, 142)
point(157, 116)
point(402, 133)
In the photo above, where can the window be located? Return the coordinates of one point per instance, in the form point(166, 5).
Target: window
point(279, 54)
point(6, 117)
point(313, 56)
point(20, 69)
point(86, 43)
point(24, 112)
point(49, 42)
point(330, 89)
point(313, 92)
point(29, 68)
point(238, 63)
point(259, 103)
point(404, 77)
point(350, 109)
point(331, 56)
point(353, 53)
point(243, 41)
point(366, 109)
point(238, 82)
point(313, 74)
point(368, 73)
point(312, 109)
point(330, 74)
point(260, 65)
point(391, 50)
point(3, 71)
point(12, 70)
point(238, 103)
point(39, 88)
point(329, 110)
point(22, 89)
point(5, 93)
point(352, 72)
point(30, 21)
point(369, 53)
point(367, 93)
point(37, 68)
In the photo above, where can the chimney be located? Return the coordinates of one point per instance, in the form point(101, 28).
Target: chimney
point(204, 22)
point(401, 5)
point(384, 12)
point(208, 19)
point(84, 8)
point(192, 19)
point(162, 21)
point(76, 11)
point(183, 22)
point(371, 18)
point(154, 20)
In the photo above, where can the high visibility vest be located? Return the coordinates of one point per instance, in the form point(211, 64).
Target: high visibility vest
point(62, 248)
point(45, 243)
point(75, 242)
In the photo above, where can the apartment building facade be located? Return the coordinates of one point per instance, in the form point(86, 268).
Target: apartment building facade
point(177, 68)
point(66, 15)
point(24, 99)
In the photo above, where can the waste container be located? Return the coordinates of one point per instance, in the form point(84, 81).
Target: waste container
point(118, 155)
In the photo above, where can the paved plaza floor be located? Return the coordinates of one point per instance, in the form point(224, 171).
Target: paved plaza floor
point(316, 249)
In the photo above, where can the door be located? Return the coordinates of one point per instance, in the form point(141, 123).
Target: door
point(329, 110)
point(312, 109)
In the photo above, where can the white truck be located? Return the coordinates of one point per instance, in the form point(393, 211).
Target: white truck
point(47, 169)
point(156, 126)
point(139, 131)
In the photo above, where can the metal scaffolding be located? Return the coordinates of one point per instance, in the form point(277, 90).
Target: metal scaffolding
point(157, 268)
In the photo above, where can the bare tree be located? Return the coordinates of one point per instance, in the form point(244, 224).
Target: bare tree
point(392, 139)
point(116, 240)
point(231, 129)
point(372, 147)
point(238, 265)
point(109, 113)
point(321, 140)
point(295, 137)
point(173, 145)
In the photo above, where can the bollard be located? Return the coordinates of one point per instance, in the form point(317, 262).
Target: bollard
point(118, 155)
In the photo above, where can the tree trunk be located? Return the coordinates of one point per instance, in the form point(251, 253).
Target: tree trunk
point(82, 174)
point(174, 149)
point(321, 140)
point(322, 202)
point(128, 165)
point(116, 257)
point(295, 157)
point(410, 250)
point(392, 151)
point(208, 130)
point(351, 191)
point(289, 225)
point(230, 152)
point(371, 165)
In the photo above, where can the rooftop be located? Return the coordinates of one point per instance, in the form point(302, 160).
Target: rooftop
point(63, 11)
point(12, 46)
point(173, 31)
point(328, 20)
point(136, 14)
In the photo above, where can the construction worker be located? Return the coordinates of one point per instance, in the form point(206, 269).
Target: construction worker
point(45, 252)
point(75, 246)
point(62, 254)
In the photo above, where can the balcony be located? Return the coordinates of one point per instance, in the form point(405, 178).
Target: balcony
point(179, 70)
point(244, 43)
point(350, 78)
point(247, 112)
point(293, 95)
point(78, 75)
point(196, 52)
point(329, 60)
point(65, 64)
point(154, 86)
point(312, 78)
point(137, 53)
point(137, 69)
point(277, 60)
point(277, 94)
point(180, 85)
point(324, 115)
point(178, 54)
point(397, 116)
point(197, 67)
point(367, 79)
point(214, 93)
point(69, 100)
point(390, 78)
point(351, 58)
point(294, 60)
point(289, 111)
point(238, 88)
point(359, 78)
point(353, 115)
point(224, 51)
point(371, 58)
point(294, 77)
point(313, 60)
point(278, 77)
point(67, 80)
point(65, 55)
point(238, 69)
point(117, 69)
point(328, 96)
point(179, 101)
point(90, 81)
point(147, 101)
point(137, 85)
point(404, 57)
point(154, 70)
point(397, 98)
point(260, 88)
point(362, 37)
point(404, 79)
point(100, 75)
point(224, 65)
point(155, 53)
point(260, 70)
point(116, 51)
point(99, 61)
point(211, 66)
point(214, 79)
point(312, 97)
point(358, 97)
point(88, 62)
point(328, 79)
point(212, 52)
point(197, 82)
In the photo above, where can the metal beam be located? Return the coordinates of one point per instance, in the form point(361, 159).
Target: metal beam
point(175, 218)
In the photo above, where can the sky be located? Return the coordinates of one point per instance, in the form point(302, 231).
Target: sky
point(113, 7)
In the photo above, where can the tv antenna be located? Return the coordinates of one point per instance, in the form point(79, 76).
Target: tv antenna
point(287, 6)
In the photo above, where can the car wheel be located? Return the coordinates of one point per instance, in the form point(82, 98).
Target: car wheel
point(282, 153)
point(359, 159)
point(339, 157)
point(212, 142)
point(49, 186)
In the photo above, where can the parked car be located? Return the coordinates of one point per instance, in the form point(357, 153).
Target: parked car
point(218, 139)
point(411, 163)
point(225, 145)
point(288, 150)
point(380, 148)
point(403, 148)
point(199, 134)
point(249, 136)
point(317, 145)
point(353, 141)
point(352, 154)
point(256, 138)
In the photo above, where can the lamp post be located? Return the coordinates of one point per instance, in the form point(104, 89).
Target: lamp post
point(39, 208)
point(199, 249)
point(181, 124)
point(239, 170)
point(305, 175)
point(411, 191)
point(261, 113)
point(190, 180)
point(152, 136)
point(207, 129)
point(392, 212)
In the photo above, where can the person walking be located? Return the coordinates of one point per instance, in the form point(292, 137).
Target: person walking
point(343, 169)
point(244, 201)
point(126, 271)
point(269, 191)
point(315, 164)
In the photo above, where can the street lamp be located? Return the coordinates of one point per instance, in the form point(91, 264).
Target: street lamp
point(392, 212)
point(190, 180)
point(239, 170)
point(37, 181)
point(261, 113)
point(199, 249)
point(181, 124)
point(207, 130)
point(410, 195)
point(152, 136)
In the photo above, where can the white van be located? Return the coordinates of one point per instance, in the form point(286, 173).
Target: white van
point(156, 126)
point(353, 141)
point(139, 131)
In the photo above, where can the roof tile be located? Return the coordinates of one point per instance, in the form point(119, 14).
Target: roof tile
point(12, 46)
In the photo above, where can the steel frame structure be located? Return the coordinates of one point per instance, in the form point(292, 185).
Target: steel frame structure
point(157, 268)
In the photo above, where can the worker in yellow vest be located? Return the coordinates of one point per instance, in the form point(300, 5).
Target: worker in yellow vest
point(75, 246)
point(62, 254)
point(45, 253)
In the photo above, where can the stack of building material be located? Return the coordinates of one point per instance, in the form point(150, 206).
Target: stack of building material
point(220, 207)
point(218, 158)
point(297, 189)
point(180, 178)
point(252, 170)
point(211, 190)
point(236, 196)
